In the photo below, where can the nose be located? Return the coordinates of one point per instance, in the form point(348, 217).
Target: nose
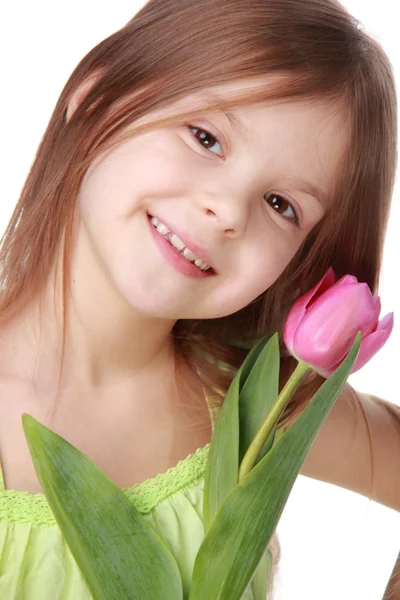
point(228, 211)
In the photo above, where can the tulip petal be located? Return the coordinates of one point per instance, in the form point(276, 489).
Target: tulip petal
point(324, 284)
point(354, 302)
point(327, 372)
point(327, 330)
point(386, 323)
point(374, 342)
point(345, 280)
point(349, 280)
point(299, 307)
point(377, 304)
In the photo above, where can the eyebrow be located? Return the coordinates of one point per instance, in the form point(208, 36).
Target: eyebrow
point(312, 189)
point(236, 123)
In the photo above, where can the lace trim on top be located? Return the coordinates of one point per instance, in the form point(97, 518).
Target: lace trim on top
point(25, 507)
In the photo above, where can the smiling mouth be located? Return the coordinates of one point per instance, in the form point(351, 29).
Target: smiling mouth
point(179, 246)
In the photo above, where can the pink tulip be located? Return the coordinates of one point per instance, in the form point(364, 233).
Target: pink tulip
point(322, 324)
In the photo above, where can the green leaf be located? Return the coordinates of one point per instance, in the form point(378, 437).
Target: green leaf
point(260, 582)
point(223, 460)
point(258, 395)
point(117, 551)
point(251, 359)
point(221, 474)
point(243, 528)
point(278, 434)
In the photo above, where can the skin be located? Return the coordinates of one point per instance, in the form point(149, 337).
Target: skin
point(113, 402)
point(216, 195)
point(221, 194)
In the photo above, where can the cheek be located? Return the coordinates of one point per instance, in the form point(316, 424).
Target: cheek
point(139, 168)
point(257, 271)
point(260, 277)
point(103, 190)
point(275, 249)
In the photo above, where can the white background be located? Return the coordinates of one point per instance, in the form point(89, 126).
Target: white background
point(335, 544)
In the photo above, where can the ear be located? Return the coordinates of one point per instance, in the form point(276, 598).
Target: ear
point(80, 94)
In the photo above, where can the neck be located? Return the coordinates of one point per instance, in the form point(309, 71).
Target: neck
point(106, 342)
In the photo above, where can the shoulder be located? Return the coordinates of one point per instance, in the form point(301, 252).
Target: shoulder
point(358, 447)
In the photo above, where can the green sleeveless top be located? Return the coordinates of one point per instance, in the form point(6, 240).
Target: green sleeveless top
point(36, 563)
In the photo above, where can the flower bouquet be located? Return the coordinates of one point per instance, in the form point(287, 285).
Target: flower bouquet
point(333, 329)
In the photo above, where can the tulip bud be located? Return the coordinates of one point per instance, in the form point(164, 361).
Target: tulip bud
point(322, 324)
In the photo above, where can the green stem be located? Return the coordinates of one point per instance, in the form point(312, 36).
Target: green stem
point(271, 419)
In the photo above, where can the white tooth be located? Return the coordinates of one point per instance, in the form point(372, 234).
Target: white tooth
point(189, 254)
point(201, 264)
point(155, 221)
point(163, 229)
point(177, 242)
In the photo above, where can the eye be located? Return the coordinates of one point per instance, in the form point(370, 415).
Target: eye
point(205, 138)
point(283, 207)
point(279, 203)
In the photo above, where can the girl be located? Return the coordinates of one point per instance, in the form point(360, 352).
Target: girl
point(203, 167)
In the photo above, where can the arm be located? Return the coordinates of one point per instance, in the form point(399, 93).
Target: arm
point(343, 455)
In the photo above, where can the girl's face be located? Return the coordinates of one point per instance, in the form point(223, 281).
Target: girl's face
point(240, 191)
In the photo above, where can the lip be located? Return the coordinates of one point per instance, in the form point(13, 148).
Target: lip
point(180, 263)
point(195, 248)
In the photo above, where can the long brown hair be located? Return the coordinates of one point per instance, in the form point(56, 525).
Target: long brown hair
point(175, 47)
point(172, 48)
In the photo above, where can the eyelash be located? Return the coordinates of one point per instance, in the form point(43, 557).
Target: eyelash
point(294, 219)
